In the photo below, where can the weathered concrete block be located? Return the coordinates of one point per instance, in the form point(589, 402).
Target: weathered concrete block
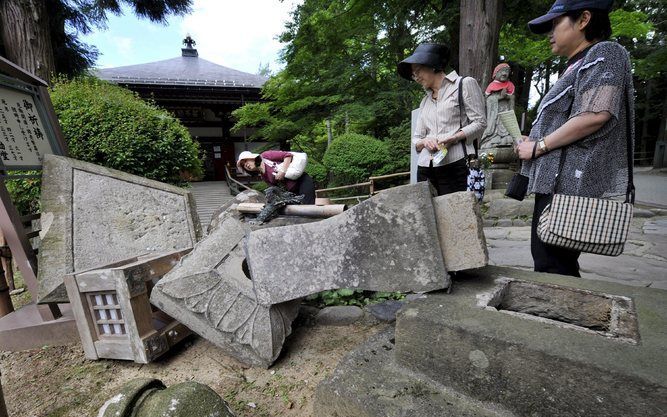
point(369, 383)
point(546, 354)
point(387, 243)
point(93, 216)
point(210, 292)
point(461, 231)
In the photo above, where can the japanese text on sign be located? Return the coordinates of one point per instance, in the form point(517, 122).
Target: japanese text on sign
point(23, 140)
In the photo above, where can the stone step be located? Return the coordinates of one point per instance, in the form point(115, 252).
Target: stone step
point(209, 196)
point(535, 365)
point(369, 383)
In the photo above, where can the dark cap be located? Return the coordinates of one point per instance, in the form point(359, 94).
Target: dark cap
point(543, 23)
point(432, 55)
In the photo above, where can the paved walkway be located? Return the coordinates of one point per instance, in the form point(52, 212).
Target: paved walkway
point(643, 263)
point(209, 196)
point(651, 185)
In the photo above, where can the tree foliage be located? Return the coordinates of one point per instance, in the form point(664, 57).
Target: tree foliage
point(110, 126)
point(67, 19)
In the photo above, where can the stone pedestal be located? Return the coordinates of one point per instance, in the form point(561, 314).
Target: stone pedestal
point(505, 164)
point(501, 177)
point(508, 342)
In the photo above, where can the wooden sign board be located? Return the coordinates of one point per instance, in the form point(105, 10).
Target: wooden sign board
point(28, 130)
point(28, 126)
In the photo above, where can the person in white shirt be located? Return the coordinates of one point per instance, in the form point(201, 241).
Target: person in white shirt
point(442, 123)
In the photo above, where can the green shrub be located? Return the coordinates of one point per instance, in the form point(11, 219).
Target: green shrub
point(352, 158)
point(351, 297)
point(111, 126)
point(399, 143)
point(25, 192)
point(316, 170)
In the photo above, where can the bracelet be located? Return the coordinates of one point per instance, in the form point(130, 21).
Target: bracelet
point(534, 149)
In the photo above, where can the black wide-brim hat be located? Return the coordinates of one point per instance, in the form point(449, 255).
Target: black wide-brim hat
point(432, 55)
point(543, 24)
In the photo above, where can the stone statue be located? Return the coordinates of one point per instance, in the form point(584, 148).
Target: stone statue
point(499, 98)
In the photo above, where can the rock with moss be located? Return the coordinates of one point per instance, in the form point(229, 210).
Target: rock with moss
point(146, 397)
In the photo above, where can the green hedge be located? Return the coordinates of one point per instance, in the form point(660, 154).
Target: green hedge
point(352, 158)
point(111, 126)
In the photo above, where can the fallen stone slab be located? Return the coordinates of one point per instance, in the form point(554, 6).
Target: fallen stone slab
point(542, 344)
point(461, 231)
point(369, 383)
point(92, 215)
point(387, 243)
point(210, 292)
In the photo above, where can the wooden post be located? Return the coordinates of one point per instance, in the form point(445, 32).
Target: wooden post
point(6, 306)
point(6, 262)
point(13, 230)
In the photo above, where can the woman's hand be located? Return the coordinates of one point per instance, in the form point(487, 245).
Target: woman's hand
point(449, 141)
point(429, 143)
point(525, 148)
point(280, 175)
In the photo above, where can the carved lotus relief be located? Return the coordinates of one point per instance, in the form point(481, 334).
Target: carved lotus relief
point(211, 282)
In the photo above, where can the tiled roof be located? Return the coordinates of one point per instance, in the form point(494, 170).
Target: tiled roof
point(185, 71)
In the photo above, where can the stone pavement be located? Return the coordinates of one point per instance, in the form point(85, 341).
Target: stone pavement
point(209, 196)
point(651, 185)
point(643, 263)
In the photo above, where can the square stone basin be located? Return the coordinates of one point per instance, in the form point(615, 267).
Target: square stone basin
point(608, 315)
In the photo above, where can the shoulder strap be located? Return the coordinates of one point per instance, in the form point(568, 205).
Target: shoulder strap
point(462, 110)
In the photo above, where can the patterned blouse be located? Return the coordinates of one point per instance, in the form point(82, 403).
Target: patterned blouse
point(596, 165)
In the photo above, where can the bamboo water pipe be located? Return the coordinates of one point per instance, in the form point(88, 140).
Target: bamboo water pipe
point(306, 210)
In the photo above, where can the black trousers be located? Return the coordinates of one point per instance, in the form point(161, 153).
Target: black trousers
point(549, 258)
point(306, 186)
point(446, 179)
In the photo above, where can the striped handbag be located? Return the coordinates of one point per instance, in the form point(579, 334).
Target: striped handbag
point(592, 225)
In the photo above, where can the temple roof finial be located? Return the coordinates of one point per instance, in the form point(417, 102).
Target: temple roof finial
point(189, 50)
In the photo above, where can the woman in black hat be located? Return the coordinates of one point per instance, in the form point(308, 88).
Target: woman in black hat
point(445, 131)
point(583, 123)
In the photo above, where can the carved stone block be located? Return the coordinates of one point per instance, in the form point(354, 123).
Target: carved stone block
point(211, 293)
point(94, 216)
point(387, 243)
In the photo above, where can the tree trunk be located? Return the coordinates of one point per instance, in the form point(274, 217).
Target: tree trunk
point(662, 133)
point(25, 34)
point(478, 47)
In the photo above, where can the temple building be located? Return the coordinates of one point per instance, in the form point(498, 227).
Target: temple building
point(202, 95)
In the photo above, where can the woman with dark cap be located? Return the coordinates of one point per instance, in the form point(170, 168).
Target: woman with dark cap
point(583, 123)
point(440, 123)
